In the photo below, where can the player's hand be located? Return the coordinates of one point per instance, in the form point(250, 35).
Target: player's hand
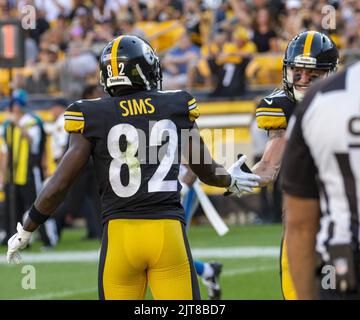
point(16, 243)
point(242, 181)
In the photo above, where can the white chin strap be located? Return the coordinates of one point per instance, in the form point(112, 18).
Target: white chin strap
point(298, 95)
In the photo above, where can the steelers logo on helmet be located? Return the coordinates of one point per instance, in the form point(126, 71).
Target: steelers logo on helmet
point(148, 53)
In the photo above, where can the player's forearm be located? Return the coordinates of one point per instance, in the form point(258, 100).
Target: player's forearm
point(53, 195)
point(269, 166)
point(267, 171)
point(49, 199)
point(200, 161)
point(212, 174)
point(56, 189)
point(301, 225)
point(204, 166)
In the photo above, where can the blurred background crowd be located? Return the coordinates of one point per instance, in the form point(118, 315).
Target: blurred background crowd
point(221, 47)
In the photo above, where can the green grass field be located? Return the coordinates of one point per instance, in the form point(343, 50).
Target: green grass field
point(249, 255)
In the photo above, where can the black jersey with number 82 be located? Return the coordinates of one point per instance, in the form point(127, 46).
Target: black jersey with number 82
point(136, 150)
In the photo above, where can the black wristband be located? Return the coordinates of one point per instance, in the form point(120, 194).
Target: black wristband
point(36, 216)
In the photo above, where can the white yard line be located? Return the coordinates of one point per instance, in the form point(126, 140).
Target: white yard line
point(233, 272)
point(67, 293)
point(58, 294)
point(236, 252)
point(52, 257)
point(93, 256)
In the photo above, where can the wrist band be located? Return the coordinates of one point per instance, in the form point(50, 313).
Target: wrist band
point(36, 216)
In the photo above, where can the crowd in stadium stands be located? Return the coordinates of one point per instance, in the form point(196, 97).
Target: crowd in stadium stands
point(215, 44)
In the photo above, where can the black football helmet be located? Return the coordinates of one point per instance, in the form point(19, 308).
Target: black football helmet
point(129, 61)
point(309, 49)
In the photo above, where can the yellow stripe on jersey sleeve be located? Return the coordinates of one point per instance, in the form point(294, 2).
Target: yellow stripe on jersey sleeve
point(74, 126)
point(268, 122)
point(192, 101)
point(194, 111)
point(73, 113)
point(194, 114)
point(270, 110)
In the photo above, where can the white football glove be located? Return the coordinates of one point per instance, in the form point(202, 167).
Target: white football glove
point(16, 243)
point(241, 181)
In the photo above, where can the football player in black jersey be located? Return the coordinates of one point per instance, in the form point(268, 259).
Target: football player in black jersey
point(135, 138)
point(309, 56)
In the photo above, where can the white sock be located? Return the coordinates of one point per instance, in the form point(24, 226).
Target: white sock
point(208, 270)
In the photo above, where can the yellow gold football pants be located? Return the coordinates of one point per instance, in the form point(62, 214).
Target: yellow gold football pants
point(136, 252)
point(287, 285)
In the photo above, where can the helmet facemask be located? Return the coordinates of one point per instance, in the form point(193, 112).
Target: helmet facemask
point(158, 74)
point(292, 74)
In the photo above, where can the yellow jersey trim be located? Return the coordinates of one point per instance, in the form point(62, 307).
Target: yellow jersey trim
point(270, 110)
point(271, 122)
point(194, 114)
point(74, 126)
point(73, 113)
point(192, 101)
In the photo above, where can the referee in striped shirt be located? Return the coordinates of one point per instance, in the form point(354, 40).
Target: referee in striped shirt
point(321, 179)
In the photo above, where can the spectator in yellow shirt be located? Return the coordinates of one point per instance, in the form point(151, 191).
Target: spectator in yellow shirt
point(230, 64)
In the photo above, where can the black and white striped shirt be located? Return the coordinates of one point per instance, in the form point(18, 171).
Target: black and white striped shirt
point(322, 157)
